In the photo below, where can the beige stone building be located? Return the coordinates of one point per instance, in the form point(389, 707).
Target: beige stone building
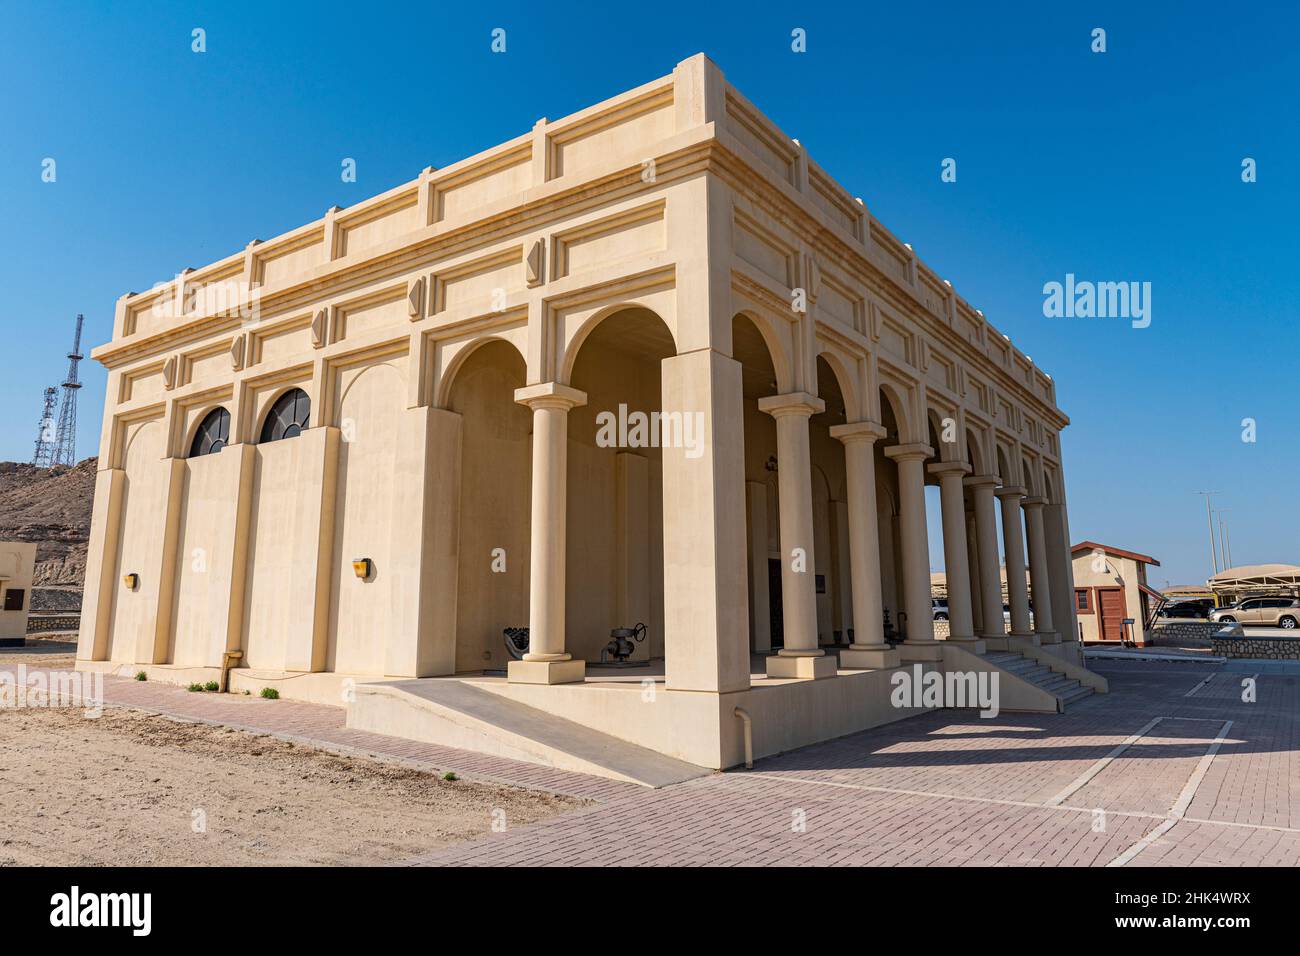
point(1112, 599)
point(646, 363)
point(17, 567)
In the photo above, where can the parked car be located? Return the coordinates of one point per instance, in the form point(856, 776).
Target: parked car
point(1283, 612)
point(1006, 615)
point(1195, 608)
point(940, 608)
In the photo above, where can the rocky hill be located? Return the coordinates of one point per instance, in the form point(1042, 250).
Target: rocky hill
point(50, 506)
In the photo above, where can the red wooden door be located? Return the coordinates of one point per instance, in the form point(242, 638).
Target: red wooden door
point(1110, 605)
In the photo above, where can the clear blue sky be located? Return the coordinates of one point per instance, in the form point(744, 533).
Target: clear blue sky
point(1117, 166)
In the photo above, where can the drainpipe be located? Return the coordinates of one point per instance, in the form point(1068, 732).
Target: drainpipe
point(228, 660)
point(749, 737)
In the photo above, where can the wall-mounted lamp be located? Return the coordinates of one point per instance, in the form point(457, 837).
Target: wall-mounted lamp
point(363, 567)
point(132, 581)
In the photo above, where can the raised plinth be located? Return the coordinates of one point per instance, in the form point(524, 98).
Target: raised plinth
point(802, 668)
point(546, 672)
point(875, 658)
point(921, 650)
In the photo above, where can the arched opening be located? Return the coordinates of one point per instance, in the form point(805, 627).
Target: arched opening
point(496, 465)
point(762, 501)
point(614, 564)
point(941, 435)
point(830, 508)
point(888, 514)
point(290, 414)
point(213, 433)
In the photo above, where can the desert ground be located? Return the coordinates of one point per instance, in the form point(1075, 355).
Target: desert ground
point(131, 788)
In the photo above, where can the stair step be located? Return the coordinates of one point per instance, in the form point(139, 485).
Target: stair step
point(1059, 687)
point(1077, 695)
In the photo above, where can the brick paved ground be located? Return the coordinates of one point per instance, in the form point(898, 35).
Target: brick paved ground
point(945, 788)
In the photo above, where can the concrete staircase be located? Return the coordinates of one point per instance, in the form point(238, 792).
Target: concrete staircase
point(1066, 690)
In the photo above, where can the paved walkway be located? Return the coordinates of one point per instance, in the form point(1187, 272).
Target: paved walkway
point(1171, 768)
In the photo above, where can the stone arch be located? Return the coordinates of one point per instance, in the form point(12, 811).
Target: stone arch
point(492, 560)
point(893, 409)
point(845, 380)
point(975, 454)
point(1005, 473)
point(1028, 477)
point(447, 380)
point(1049, 488)
point(742, 348)
point(943, 451)
point(573, 348)
point(364, 371)
point(615, 522)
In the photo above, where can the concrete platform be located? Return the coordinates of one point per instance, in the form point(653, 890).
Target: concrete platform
point(456, 713)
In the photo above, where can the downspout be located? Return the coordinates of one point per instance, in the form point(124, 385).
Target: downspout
point(228, 660)
point(749, 736)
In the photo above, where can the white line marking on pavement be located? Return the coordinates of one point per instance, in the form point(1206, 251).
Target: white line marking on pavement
point(1180, 806)
point(1142, 844)
point(1192, 692)
point(1101, 764)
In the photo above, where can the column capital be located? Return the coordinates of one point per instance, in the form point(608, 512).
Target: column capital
point(946, 468)
point(976, 481)
point(1034, 502)
point(791, 403)
point(909, 452)
point(550, 395)
point(851, 432)
point(1010, 491)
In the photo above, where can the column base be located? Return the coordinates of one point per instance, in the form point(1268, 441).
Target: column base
point(869, 658)
point(995, 642)
point(1048, 638)
point(970, 643)
point(546, 672)
point(1030, 638)
point(802, 668)
point(921, 651)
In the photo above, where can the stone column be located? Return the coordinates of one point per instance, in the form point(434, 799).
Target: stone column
point(920, 643)
point(1038, 572)
point(961, 621)
point(800, 657)
point(986, 540)
point(546, 661)
point(868, 649)
point(1014, 544)
point(1060, 566)
point(973, 565)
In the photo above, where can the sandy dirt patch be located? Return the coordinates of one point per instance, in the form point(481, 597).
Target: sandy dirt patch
point(60, 654)
point(132, 789)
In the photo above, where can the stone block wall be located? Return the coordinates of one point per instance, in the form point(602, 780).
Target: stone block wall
point(1265, 648)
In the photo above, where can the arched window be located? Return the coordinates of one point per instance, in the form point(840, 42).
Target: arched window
point(288, 416)
point(213, 434)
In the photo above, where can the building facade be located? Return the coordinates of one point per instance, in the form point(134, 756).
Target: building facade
point(17, 568)
point(1112, 599)
point(646, 363)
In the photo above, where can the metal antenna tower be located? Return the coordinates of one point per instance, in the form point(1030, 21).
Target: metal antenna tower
point(65, 441)
point(44, 456)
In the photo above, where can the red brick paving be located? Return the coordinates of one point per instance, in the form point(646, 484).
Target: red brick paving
point(941, 789)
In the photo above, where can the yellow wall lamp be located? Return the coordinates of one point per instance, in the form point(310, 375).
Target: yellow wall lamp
point(363, 568)
point(132, 581)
